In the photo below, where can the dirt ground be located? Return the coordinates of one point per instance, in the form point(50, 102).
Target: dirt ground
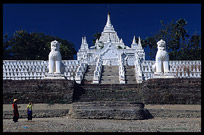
point(7, 107)
point(66, 124)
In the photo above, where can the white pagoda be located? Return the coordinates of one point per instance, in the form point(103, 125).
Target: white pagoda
point(109, 47)
point(109, 61)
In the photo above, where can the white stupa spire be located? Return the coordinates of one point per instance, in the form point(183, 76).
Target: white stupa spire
point(108, 23)
point(109, 34)
point(108, 27)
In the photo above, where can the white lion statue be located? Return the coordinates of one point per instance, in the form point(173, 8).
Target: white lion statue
point(55, 59)
point(162, 58)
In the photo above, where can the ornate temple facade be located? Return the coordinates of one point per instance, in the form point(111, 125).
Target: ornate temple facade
point(110, 48)
point(109, 61)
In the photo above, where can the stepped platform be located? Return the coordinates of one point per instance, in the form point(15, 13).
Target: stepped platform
point(109, 110)
point(108, 92)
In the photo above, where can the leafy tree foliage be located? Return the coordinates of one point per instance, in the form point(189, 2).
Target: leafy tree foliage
point(180, 45)
point(96, 36)
point(33, 46)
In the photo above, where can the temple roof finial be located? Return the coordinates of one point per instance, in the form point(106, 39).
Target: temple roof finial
point(108, 12)
point(108, 23)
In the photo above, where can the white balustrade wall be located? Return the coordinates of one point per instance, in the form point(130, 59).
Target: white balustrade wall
point(182, 69)
point(121, 70)
point(138, 70)
point(80, 72)
point(34, 69)
point(70, 68)
point(97, 71)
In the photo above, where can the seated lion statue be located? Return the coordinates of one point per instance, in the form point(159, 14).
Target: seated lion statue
point(162, 58)
point(55, 58)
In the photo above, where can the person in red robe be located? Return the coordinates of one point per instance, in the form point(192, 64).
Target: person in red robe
point(15, 110)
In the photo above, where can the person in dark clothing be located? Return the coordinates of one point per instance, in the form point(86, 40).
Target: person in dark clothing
point(15, 110)
point(29, 110)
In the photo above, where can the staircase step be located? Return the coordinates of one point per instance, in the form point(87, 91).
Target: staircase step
point(131, 82)
point(130, 75)
point(110, 82)
point(88, 76)
point(110, 75)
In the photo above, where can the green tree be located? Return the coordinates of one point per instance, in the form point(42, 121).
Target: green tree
point(96, 36)
point(6, 50)
point(180, 45)
point(152, 44)
point(33, 46)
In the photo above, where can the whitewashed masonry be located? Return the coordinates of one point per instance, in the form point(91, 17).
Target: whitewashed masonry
point(110, 50)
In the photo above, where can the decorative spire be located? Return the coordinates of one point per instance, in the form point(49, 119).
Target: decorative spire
point(108, 23)
point(108, 27)
point(121, 40)
point(134, 41)
point(134, 44)
point(140, 50)
point(82, 40)
point(139, 42)
point(85, 42)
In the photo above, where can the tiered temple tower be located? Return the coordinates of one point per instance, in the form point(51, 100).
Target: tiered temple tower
point(109, 47)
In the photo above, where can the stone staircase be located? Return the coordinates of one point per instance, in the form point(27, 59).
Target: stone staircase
point(109, 110)
point(108, 92)
point(130, 75)
point(88, 77)
point(110, 75)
